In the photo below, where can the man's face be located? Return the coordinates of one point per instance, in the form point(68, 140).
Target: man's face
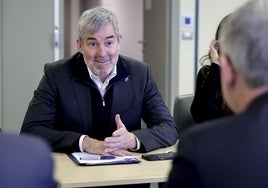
point(100, 50)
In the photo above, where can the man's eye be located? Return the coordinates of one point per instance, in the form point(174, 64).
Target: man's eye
point(92, 44)
point(109, 43)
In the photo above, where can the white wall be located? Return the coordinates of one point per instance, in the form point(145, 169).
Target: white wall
point(27, 44)
point(211, 13)
point(186, 48)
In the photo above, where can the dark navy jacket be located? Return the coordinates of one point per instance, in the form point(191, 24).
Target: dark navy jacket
point(228, 152)
point(61, 108)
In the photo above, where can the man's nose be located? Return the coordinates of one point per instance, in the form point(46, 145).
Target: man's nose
point(101, 50)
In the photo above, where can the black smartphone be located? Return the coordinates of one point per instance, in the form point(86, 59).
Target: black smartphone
point(159, 156)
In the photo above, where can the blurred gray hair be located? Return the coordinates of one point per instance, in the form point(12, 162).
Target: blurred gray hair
point(93, 19)
point(244, 39)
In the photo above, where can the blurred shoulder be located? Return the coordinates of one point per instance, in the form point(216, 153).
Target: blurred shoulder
point(24, 144)
point(212, 129)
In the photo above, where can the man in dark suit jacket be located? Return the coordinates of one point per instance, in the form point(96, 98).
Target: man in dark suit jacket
point(25, 161)
point(233, 151)
point(94, 101)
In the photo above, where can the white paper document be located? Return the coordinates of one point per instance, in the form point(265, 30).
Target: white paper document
point(83, 158)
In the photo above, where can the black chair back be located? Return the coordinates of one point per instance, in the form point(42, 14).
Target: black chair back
point(181, 112)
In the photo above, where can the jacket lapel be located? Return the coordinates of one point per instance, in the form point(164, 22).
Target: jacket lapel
point(121, 88)
point(81, 85)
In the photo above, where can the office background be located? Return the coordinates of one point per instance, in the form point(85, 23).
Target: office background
point(169, 35)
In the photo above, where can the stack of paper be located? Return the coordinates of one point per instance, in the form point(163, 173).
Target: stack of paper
point(83, 158)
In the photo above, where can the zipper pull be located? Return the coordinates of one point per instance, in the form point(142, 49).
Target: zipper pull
point(103, 102)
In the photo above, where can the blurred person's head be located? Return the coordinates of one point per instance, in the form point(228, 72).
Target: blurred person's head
point(244, 60)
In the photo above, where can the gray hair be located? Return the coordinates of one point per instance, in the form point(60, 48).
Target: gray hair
point(244, 39)
point(93, 19)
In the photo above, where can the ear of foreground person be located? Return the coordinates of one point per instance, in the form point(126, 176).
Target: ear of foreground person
point(25, 162)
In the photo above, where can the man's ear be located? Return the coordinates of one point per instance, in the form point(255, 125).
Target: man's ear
point(119, 42)
point(120, 39)
point(227, 71)
point(79, 45)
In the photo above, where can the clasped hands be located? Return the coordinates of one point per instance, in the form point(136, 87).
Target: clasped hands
point(118, 144)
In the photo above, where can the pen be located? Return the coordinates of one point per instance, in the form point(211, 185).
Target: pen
point(89, 157)
point(97, 157)
point(103, 157)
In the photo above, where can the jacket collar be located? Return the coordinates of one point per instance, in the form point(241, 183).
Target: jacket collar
point(80, 72)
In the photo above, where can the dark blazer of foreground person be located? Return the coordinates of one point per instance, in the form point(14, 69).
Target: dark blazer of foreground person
point(232, 151)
